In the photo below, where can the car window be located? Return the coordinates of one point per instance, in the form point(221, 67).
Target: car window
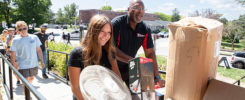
point(240, 54)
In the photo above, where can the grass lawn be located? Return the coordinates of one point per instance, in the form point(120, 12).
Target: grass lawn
point(237, 46)
point(231, 73)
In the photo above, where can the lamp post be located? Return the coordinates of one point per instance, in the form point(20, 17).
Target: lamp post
point(33, 19)
point(81, 30)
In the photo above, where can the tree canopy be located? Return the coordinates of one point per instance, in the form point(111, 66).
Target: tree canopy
point(5, 14)
point(68, 16)
point(106, 7)
point(32, 11)
point(163, 16)
point(175, 15)
point(223, 20)
point(232, 31)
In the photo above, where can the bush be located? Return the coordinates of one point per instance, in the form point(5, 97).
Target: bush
point(164, 30)
point(57, 61)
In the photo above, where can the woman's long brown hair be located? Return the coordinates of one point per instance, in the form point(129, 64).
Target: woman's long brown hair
point(91, 49)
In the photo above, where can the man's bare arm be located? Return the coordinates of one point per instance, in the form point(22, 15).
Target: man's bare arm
point(150, 53)
point(39, 52)
point(13, 59)
point(122, 56)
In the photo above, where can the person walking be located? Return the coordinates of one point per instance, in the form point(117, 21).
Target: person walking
point(68, 38)
point(24, 51)
point(44, 40)
point(51, 36)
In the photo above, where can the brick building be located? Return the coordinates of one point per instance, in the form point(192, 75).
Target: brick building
point(85, 15)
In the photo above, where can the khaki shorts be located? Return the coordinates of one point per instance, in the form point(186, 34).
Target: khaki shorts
point(29, 72)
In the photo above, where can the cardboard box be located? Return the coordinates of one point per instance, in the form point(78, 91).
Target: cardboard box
point(141, 79)
point(193, 57)
point(218, 90)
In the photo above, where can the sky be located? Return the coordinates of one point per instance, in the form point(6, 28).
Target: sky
point(229, 8)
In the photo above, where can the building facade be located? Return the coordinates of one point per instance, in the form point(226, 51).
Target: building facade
point(85, 15)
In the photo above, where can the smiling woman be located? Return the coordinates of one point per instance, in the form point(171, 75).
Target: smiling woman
point(96, 49)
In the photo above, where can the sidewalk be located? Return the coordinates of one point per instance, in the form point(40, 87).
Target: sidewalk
point(51, 88)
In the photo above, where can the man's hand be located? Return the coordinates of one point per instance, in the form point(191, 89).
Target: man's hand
point(43, 65)
point(160, 83)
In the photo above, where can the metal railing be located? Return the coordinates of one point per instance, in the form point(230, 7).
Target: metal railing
point(239, 81)
point(65, 80)
point(26, 84)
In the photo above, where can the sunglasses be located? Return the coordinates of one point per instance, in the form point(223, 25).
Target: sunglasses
point(138, 8)
point(23, 29)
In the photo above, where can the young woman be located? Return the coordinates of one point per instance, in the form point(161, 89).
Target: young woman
point(96, 49)
point(3, 36)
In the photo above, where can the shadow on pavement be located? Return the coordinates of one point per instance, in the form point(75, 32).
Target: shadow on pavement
point(45, 81)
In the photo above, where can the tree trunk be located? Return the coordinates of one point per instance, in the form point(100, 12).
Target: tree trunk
point(232, 44)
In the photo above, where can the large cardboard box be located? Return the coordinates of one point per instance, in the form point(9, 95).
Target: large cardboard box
point(141, 79)
point(194, 44)
point(218, 90)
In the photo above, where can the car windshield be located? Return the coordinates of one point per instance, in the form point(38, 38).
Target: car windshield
point(239, 54)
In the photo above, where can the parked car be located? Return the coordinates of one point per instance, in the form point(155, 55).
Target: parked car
point(238, 60)
point(75, 34)
point(56, 32)
point(163, 34)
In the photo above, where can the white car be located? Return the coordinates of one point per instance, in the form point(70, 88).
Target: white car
point(163, 34)
point(74, 35)
point(238, 60)
point(56, 32)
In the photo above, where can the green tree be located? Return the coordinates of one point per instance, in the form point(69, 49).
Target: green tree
point(232, 32)
point(121, 11)
point(241, 22)
point(27, 10)
point(223, 20)
point(60, 17)
point(5, 11)
point(106, 8)
point(175, 16)
point(50, 16)
point(163, 16)
point(70, 13)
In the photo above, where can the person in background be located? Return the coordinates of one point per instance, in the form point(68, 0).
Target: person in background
point(3, 36)
point(68, 38)
point(24, 51)
point(96, 49)
point(51, 36)
point(130, 33)
point(44, 40)
point(9, 39)
point(11, 32)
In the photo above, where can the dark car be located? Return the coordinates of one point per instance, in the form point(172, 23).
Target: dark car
point(238, 60)
point(64, 27)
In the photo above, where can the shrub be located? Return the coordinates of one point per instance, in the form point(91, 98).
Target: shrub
point(57, 61)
